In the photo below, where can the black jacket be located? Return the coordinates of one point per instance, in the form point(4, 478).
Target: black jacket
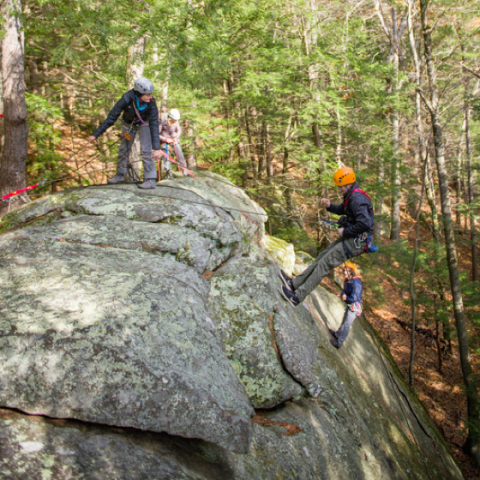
point(125, 105)
point(357, 209)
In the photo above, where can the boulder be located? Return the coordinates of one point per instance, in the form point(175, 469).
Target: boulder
point(272, 352)
point(138, 329)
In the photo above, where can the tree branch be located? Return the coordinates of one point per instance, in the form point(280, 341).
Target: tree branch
point(471, 71)
point(426, 100)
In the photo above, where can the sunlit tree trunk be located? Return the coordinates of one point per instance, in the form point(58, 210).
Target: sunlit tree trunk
point(413, 299)
point(471, 199)
point(472, 445)
point(394, 33)
point(251, 146)
point(135, 65)
point(13, 162)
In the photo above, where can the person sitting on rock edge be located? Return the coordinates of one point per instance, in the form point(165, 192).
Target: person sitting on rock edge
point(169, 132)
point(140, 114)
point(352, 296)
point(356, 225)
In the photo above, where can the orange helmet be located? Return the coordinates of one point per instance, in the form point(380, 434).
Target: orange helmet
point(350, 265)
point(343, 176)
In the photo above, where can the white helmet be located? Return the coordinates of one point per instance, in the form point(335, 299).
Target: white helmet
point(174, 114)
point(143, 86)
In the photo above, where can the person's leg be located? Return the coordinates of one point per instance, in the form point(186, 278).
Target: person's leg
point(149, 168)
point(180, 158)
point(167, 165)
point(303, 277)
point(342, 332)
point(124, 153)
point(334, 255)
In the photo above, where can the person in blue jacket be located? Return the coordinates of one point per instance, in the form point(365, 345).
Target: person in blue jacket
point(352, 296)
point(355, 230)
point(140, 115)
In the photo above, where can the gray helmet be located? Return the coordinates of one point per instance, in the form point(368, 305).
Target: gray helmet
point(174, 114)
point(143, 86)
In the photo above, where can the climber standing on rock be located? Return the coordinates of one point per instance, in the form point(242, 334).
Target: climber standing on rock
point(140, 115)
point(356, 227)
point(169, 132)
point(352, 296)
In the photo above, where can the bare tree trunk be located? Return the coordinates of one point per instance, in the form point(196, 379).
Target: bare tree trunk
point(135, 65)
point(396, 179)
point(468, 153)
point(13, 166)
point(413, 298)
point(458, 180)
point(268, 153)
point(430, 189)
point(378, 228)
point(260, 146)
point(472, 445)
point(394, 34)
point(191, 156)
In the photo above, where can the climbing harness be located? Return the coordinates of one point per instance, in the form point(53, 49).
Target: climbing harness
point(137, 112)
point(345, 203)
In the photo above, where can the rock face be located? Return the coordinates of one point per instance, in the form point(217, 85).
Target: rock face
point(147, 326)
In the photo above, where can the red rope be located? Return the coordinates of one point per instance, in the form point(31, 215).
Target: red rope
point(174, 161)
point(31, 187)
point(331, 288)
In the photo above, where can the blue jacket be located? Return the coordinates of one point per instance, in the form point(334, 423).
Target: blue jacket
point(125, 105)
point(357, 211)
point(353, 290)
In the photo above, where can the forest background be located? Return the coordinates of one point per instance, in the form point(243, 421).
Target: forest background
point(276, 96)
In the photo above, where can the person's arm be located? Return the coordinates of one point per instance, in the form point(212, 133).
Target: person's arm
point(153, 124)
point(336, 209)
point(357, 288)
point(161, 136)
point(112, 117)
point(177, 131)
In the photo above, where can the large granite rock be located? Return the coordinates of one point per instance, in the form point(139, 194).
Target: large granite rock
point(273, 352)
point(147, 324)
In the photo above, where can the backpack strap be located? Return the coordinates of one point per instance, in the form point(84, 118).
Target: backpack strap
point(345, 203)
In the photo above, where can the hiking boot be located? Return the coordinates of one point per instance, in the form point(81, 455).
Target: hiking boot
point(119, 177)
point(288, 282)
point(147, 184)
point(169, 175)
point(314, 389)
point(332, 333)
point(290, 297)
point(334, 342)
